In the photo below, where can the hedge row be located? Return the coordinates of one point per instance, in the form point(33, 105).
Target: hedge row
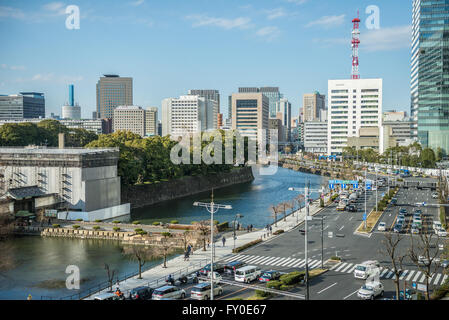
point(277, 232)
point(292, 278)
point(246, 246)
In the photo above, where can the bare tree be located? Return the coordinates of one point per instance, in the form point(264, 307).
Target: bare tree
point(423, 256)
point(185, 234)
point(111, 274)
point(390, 244)
point(166, 247)
point(203, 228)
point(141, 254)
point(275, 210)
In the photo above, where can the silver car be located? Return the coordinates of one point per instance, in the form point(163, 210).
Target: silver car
point(202, 291)
point(170, 292)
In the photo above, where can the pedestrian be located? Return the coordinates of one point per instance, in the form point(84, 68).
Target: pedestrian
point(49, 221)
point(238, 226)
point(271, 230)
point(189, 248)
point(208, 243)
point(251, 228)
point(247, 228)
point(223, 240)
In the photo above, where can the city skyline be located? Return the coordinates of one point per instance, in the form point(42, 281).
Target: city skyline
point(242, 49)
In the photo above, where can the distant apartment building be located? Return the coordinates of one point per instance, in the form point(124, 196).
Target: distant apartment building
point(315, 137)
point(394, 116)
point(250, 113)
point(113, 91)
point(352, 104)
point(135, 119)
point(188, 114)
point(313, 103)
point(272, 93)
point(26, 105)
point(209, 94)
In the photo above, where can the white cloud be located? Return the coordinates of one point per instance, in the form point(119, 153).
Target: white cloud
point(9, 12)
point(386, 39)
point(276, 13)
point(297, 1)
point(43, 77)
point(14, 68)
point(204, 20)
point(328, 21)
point(57, 8)
point(137, 3)
point(269, 33)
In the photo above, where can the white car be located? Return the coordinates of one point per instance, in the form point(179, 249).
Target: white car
point(366, 269)
point(217, 278)
point(371, 290)
point(437, 225)
point(434, 195)
point(441, 232)
point(382, 227)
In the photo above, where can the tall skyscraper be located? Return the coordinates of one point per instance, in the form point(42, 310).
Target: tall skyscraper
point(188, 114)
point(353, 104)
point(26, 105)
point(208, 94)
point(250, 112)
point(272, 93)
point(313, 103)
point(113, 91)
point(70, 110)
point(429, 70)
point(285, 108)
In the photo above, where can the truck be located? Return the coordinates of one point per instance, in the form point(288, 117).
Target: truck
point(353, 197)
point(341, 206)
point(366, 269)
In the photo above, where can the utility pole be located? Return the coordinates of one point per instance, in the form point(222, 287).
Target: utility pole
point(212, 208)
point(306, 195)
point(365, 198)
point(375, 169)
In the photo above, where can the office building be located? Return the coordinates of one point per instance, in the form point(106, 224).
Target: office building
point(70, 110)
point(219, 120)
point(188, 114)
point(208, 94)
point(135, 119)
point(352, 104)
point(401, 127)
point(284, 107)
point(394, 116)
point(113, 91)
point(313, 103)
point(26, 105)
point(429, 69)
point(276, 124)
point(315, 137)
point(250, 113)
point(272, 93)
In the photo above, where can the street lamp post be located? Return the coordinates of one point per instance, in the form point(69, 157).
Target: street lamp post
point(365, 199)
point(212, 208)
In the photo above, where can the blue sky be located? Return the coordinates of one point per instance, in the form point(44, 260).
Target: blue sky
point(171, 46)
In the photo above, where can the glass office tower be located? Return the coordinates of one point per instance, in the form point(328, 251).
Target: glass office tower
point(430, 72)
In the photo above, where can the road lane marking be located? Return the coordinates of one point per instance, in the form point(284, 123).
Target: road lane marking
point(315, 264)
point(389, 275)
point(403, 275)
point(253, 258)
point(268, 262)
point(285, 262)
point(327, 288)
point(263, 261)
point(302, 264)
point(350, 295)
point(383, 273)
point(437, 278)
point(278, 262)
point(352, 269)
point(444, 278)
point(417, 276)
point(423, 278)
point(341, 267)
point(291, 263)
point(410, 275)
point(346, 268)
point(335, 266)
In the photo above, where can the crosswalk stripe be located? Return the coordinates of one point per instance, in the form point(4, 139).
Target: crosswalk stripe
point(301, 264)
point(403, 274)
point(423, 278)
point(416, 276)
point(346, 268)
point(389, 275)
point(410, 275)
point(351, 270)
point(262, 260)
point(232, 258)
point(286, 261)
point(383, 273)
point(437, 278)
point(341, 267)
point(297, 263)
point(444, 279)
point(431, 278)
point(315, 263)
point(291, 263)
point(257, 261)
point(278, 262)
point(335, 266)
point(270, 261)
point(253, 258)
point(246, 258)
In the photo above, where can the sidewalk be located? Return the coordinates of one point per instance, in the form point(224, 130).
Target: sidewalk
point(200, 258)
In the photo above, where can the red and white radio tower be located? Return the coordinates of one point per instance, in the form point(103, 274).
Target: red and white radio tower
point(355, 47)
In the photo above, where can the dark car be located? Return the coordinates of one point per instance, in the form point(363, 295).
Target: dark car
point(141, 293)
point(232, 266)
point(351, 208)
point(394, 201)
point(218, 267)
point(269, 276)
point(403, 211)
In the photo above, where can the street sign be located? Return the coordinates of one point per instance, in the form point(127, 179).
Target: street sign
point(368, 187)
point(422, 287)
point(364, 217)
point(330, 234)
point(51, 213)
point(331, 186)
point(414, 285)
point(343, 186)
point(356, 185)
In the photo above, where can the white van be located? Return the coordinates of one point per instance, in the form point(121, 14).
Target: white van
point(366, 269)
point(247, 274)
point(437, 225)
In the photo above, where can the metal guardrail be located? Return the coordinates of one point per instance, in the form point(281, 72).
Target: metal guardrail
point(105, 284)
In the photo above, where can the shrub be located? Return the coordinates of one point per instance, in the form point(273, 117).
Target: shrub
point(116, 221)
point(441, 291)
point(216, 222)
point(98, 220)
point(79, 220)
point(246, 246)
point(116, 229)
point(336, 258)
point(96, 228)
point(156, 223)
point(174, 222)
point(194, 222)
point(284, 287)
point(262, 294)
point(334, 196)
point(223, 226)
point(56, 225)
point(142, 233)
point(136, 222)
point(138, 230)
point(292, 278)
point(75, 226)
point(278, 232)
point(274, 285)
